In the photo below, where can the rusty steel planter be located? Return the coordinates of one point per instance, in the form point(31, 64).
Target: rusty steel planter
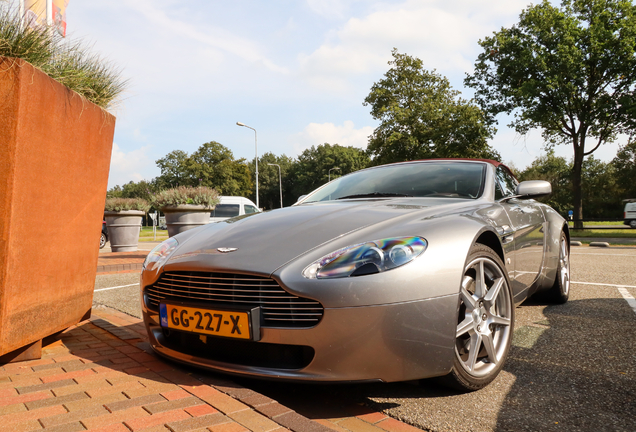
point(55, 150)
point(186, 216)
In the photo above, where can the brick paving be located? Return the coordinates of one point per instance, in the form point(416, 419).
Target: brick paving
point(116, 262)
point(101, 375)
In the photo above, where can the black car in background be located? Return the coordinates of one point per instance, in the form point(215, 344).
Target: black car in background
point(104, 238)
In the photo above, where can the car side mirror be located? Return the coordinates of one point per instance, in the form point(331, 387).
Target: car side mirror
point(300, 198)
point(533, 189)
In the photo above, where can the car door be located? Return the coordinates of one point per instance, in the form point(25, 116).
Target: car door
point(527, 231)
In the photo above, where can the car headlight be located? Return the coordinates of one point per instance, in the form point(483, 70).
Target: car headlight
point(367, 258)
point(160, 254)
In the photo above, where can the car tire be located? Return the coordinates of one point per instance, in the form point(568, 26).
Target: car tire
point(485, 322)
point(632, 223)
point(102, 241)
point(560, 291)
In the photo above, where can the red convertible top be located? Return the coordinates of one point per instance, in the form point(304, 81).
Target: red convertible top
point(490, 161)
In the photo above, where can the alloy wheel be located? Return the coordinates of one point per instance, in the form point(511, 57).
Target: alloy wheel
point(484, 327)
point(564, 266)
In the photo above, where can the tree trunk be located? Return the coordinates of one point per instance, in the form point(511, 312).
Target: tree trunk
point(579, 154)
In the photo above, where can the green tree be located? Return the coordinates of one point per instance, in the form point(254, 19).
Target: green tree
point(558, 171)
point(625, 170)
point(600, 192)
point(570, 71)
point(268, 181)
point(421, 116)
point(313, 165)
point(174, 169)
point(212, 164)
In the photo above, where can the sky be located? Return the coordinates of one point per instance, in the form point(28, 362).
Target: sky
point(297, 71)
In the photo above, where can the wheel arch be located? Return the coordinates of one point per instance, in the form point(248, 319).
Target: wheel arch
point(490, 239)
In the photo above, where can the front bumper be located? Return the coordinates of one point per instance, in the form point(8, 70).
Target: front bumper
point(390, 342)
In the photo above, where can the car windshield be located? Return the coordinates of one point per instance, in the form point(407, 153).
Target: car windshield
point(423, 179)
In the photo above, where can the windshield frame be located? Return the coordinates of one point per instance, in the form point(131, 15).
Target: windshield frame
point(307, 199)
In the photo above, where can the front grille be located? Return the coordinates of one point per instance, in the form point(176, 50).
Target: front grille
point(278, 307)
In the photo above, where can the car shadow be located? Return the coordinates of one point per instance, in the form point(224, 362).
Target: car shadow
point(576, 372)
point(573, 370)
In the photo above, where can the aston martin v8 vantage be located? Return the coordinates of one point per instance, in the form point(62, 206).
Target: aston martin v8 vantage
point(397, 272)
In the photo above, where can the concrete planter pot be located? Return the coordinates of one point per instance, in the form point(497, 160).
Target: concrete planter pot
point(123, 229)
point(55, 150)
point(186, 216)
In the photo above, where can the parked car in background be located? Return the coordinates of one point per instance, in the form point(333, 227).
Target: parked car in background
point(232, 206)
point(629, 214)
point(392, 273)
point(104, 238)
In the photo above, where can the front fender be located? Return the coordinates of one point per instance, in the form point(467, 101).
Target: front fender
point(435, 273)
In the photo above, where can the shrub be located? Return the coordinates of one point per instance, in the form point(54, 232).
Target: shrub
point(69, 63)
point(123, 204)
point(200, 195)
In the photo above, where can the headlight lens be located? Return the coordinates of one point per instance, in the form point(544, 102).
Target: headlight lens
point(367, 258)
point(160, 254)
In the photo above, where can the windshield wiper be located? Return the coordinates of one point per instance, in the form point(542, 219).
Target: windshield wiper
point(375, 195)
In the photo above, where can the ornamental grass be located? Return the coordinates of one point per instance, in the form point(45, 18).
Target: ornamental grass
point(124, 204)
point(68, 62)
point(199, 195)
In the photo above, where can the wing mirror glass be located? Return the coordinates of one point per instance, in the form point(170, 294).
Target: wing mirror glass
point(534, 189)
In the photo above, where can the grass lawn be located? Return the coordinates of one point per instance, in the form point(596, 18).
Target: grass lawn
point(621, 231)
point(147, 235)
point(618, 233)
point(601, 223)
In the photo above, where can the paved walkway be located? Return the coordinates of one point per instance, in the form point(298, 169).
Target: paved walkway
point(115, 262)
point(101, 375)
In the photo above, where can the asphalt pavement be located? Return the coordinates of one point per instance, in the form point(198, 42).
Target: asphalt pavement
point(572, 367)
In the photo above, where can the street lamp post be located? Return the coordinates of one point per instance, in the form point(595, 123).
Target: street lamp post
point(280, 183)
point(255, 159)
point(334, 168)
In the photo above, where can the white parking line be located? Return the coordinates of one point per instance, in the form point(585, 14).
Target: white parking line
point(604, 284)
point(631, 301)
point(112, 288)
point(601, 254)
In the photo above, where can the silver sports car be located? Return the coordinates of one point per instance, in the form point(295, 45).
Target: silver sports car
point(392, 273)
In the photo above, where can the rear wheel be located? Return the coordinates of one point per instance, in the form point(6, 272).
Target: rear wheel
point(484, 323)
point(632, 223)
point(102, 241)
point(560, 291)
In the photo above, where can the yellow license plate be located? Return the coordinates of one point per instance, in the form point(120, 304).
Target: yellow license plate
point(205, 321)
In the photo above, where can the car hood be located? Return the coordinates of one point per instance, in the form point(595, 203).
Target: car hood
point(260, 243)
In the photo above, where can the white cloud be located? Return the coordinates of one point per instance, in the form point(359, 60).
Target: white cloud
point(125, 167)
point(345, 135)
point(443, 34)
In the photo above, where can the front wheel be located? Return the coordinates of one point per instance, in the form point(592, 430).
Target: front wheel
point(632, 223)
point(102, 241)
point(484, 324)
